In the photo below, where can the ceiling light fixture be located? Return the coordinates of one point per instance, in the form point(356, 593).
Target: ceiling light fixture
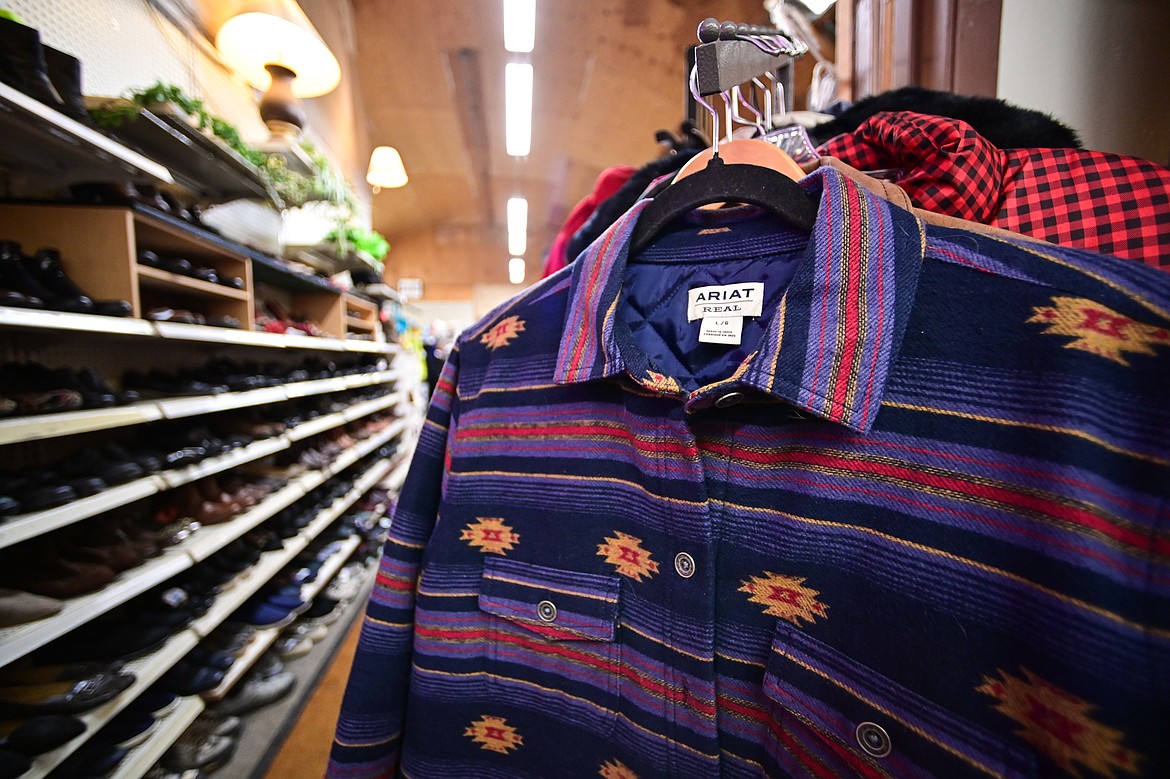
point(273, 46)
point(518, 108)
point(517, 225)
point(386, 169)
point(516, 270)
point(519, 25)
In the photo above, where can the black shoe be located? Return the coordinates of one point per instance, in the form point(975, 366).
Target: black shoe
point(22, 63)
point(41, 734)
point(64, 72)
point(46, 267)
point(15, 275)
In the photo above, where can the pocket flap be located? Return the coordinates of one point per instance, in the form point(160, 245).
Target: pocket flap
point(555, 603)
point(845, 700)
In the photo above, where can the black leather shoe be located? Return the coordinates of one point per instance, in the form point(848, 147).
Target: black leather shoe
point(70, 697)
point(46, 267)
point(13, 764)
point(41, 734)
point(64, 71)
point(15, 275)
point(22, 63)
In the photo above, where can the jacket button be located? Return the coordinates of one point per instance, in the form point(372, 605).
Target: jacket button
point(730, 399)
point(546, 610)
point(873, 739)
point(684, 565)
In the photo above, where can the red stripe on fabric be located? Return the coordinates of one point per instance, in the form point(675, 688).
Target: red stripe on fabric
point(851, 312)
point(797, 750)
point(565, 651)
point(1047, 539)
point(517, 433)
point(1134, 538)
point(587, 303)
point(879, 257)
point(826, 203)
point(394, 584)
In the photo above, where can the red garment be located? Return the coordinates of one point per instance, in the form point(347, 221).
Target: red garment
point(1108, 203)
point(610, 181)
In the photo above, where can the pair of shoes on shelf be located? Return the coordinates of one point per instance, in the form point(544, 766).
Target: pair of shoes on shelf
point(41, 282)
point(43, 73)
point(263, 686)
point(184, 317)
point(40, 390)
point(36, 735)
point(68, 696)
point(184, 267)
point(18, 607)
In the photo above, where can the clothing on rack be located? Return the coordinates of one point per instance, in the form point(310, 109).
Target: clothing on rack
point(1093, 200)
point(913, 525)
point(609, 182)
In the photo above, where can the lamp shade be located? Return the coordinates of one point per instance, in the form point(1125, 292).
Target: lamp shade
point(277, 32)
point(386, 168)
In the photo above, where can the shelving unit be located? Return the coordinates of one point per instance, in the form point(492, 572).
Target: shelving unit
point(100, 245)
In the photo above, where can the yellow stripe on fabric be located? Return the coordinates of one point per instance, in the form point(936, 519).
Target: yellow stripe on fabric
point(670, 647)
point(610, 314)
point(914, 728)
point(549, 587)
point(435, 425)
point(1129, 293)
point(433, 594)
point(384, 623)
point(1035, 426)
point(359, 744)
point(509, 388)
point(1076, 602)
point(578, 479)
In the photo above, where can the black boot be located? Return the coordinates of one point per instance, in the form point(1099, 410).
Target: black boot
point(65, 75)
point(46, 268)
point(22, 62)
point(14, 275)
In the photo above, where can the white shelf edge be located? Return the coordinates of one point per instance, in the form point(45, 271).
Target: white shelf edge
point(39, 426)
point(330, 568)
point(60, 320)
point(374, 405)
point(247, 584)
point(316, 387)
point(253, 451)
point(146, 754)
point(147, 671)
point(25, 526)
point(315, 426)
point(209, 539)
point(67, 125)
point(176, 408)
point(179, 331)
point(367, 480)
point(311, 342)
point(261, 641)
point(15, 642)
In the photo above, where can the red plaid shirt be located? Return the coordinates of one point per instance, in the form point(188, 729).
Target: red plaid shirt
point(1089, 199)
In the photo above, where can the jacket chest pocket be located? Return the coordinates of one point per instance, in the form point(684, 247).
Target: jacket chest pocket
point(552, 640)
point(857, 719)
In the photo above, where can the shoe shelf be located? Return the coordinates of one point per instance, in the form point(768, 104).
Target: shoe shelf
point(351, 456)
point(140, 759)
point(209, 539)
point(41, 426)
point(361, 315)
point(105, 326)
point(34, 428)
point(25, 526)
point(147, 670)
point(214, 465)
point(154, 277)
point(247, 584)
point(15, 642)
point(263, 639)
point(62, 149)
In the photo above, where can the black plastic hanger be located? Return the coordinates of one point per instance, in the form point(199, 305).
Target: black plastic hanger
point(719, 182)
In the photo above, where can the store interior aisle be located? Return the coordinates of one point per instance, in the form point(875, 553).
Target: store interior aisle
point(305, 752)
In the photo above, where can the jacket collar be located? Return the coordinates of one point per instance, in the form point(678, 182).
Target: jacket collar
point(832, 338)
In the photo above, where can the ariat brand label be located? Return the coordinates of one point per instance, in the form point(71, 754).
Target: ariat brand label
point(732, 300)
point(721, 330)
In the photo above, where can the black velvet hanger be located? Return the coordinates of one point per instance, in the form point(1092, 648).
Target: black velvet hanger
point(719, 182)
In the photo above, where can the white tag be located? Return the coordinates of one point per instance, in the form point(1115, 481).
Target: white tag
point(721, 330)
point(732, 300)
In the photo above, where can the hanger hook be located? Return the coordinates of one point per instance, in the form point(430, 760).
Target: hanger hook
point(759, 121)
point(767, 93)
point(694, 82)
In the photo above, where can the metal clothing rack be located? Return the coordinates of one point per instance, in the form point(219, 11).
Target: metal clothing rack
point(730, 54)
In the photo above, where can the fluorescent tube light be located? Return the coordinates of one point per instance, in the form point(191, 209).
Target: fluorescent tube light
point(518, 108)
point(519, 25)
point(517, 225)
point(516, 270)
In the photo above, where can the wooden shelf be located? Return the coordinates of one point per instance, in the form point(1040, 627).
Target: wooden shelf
point(154, 277)
point(359, 324)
